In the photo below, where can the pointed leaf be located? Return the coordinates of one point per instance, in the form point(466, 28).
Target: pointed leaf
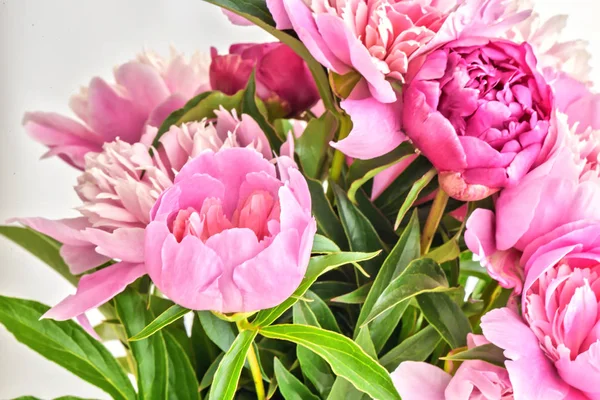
point(290, 387)
point(413, 195)
point(446, 317)
point(312, 146)
point(317, 266)
point(416, 348)
point(208, 377)
point(327, 220)
point(421, 276)
point(220, 332)
point(164, 319)
point(65, 343)
point(406, 250)
point(226, 377)
point(321, 310)
point(250, 107)
point(344, 356)
point(362, 171)
point(357, 296)
point(324, 245)
point(183, 384)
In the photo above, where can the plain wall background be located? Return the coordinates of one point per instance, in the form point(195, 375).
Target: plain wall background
point(51, 48)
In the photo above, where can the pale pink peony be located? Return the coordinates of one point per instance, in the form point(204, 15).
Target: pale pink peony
point(283, 80)
point(145, 92)
point(474, 380)
point(231, 239)
point(555, 347)
point(119, 187)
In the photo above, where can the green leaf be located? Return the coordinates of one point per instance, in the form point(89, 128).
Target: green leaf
point(43, 247)
point(226, 377)
point(250, 107)
point(416, 348)
point(183, 384)
point(362, 171)
point(323, 245)
point(322, 312)
point(150, 354)
point(196, 109)
point(406, 250)
point(66, 344)
point(342, 389)
point(312, 146)
point(208, 377)
point(421, 276)
point(164, 319)
point(256, 12)
point(361, 234)
point(413, 195)
point(446, 317)
point(328, 290)
point(488, 352)
point(316, 267)
point(380, 222)
point(205, 351)
point(220, 332)
point(394, 196)
point(357, 296)
point(313, 366)
point(290, 387)
point(344, 356)
point(327, 220)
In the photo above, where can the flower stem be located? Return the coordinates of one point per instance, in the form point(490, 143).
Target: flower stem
point(337, 164)
point(433, 220)
point(254, 365)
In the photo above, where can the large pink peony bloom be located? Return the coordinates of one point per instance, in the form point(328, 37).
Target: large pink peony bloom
point(145, 92)
point(561, 191)
point(231, 239)
point(119, 187)
point(283, 80)
point(474, 380)
point(555, 347)
point(480, 111)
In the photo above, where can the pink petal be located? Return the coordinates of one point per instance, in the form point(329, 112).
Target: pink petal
point(125, 244)
point(420, 381)
point(144, 85)
point(385, 178)
point(277, 9)
point(85, 324)
point(376, 128)
point(96, 289)
point(80, 259)
point(582, 373)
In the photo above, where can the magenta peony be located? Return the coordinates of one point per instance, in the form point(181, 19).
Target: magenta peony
point(283, 80)
point(119, 187)
point(474, 380)
point(230, 239)
point(146, 91)
point(480, 111)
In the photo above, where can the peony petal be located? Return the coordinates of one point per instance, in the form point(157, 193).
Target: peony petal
point(125, 244)
point(144, 85)
point(385, 178)
point(376, 128)
point(96, 289)
point(80, 259)
point(420, 381)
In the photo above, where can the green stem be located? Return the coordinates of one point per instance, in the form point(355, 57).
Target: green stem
point(433, 220)
point(254, 365)
point(339, 159)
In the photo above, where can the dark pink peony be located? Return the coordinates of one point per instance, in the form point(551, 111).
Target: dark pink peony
point(480, 111)
point(283, 79)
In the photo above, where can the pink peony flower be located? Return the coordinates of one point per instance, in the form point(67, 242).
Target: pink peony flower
point(474, 380)
point(283, 80)
point(555, 346)
point(146, 91)
point(480, 111)
point(230, 239)
point(119, 187)
point(561, 191)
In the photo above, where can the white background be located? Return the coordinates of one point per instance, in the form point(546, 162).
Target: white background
point(50, 48)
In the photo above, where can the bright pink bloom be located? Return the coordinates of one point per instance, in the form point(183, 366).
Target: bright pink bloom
point(474, 380)
point(576, 99)
point(561, 191)
point(283, 80)
point(119, 187)
point(555, 347)
point(480, 111)
point(145, 92)
point(231, 239)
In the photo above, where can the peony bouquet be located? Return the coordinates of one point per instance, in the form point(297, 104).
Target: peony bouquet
point(397, 199)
